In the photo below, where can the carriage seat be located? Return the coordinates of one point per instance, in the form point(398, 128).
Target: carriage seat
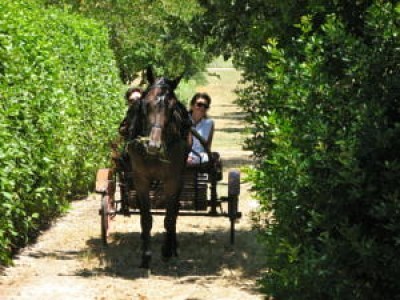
point(212, 167)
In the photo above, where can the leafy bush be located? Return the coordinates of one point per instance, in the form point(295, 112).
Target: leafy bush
point(60, 103)
point(326, 134)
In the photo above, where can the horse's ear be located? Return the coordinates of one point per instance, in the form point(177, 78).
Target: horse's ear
point(176, 81)
point(150, 75)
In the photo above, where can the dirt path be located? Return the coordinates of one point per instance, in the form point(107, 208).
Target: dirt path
point(69, 262)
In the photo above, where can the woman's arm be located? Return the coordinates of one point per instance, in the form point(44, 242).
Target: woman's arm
point(210, 136)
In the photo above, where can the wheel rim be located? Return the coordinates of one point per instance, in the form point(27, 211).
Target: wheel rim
point(105, 218)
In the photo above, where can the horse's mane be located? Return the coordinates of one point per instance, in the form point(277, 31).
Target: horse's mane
point(181, 118)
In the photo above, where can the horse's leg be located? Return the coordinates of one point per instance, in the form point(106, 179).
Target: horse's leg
point(146, 221)
point(169, 247)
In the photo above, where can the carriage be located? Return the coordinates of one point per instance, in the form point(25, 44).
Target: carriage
point(152, 177)
point(199, 196)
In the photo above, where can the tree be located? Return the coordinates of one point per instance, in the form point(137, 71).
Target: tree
point(322, 99)
point(146, 33)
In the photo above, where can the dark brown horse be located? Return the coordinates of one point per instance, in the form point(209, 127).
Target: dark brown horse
point(158, 151)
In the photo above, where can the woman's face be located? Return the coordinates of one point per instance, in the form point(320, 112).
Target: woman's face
point(200, 106)
point(135, 96)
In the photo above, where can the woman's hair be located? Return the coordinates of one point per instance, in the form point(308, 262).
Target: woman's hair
point(200, 95)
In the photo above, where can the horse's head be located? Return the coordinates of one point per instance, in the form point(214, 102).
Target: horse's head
point(158, 106)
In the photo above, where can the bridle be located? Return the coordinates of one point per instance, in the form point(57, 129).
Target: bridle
point(161, 102)
point(150, 138)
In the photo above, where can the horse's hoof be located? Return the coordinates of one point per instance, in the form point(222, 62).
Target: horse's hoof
point(144, 265)
point(165, 259)
point(166, 253)
point(146, 259)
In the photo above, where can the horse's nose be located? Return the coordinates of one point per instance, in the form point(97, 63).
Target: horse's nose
point(155, 138)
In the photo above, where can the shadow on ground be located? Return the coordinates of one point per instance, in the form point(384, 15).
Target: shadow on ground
point(231, 129)
point(237, 116)
point(207, 254)
point(236, 162)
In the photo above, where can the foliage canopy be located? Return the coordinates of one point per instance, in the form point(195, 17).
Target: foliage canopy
point(142, 33)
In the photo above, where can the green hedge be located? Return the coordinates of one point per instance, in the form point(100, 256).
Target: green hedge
point(60, 101)
point(327, 135)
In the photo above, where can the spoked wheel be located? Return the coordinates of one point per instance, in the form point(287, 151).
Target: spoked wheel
point(105, 185)
point(233, 199)
point(105, 218)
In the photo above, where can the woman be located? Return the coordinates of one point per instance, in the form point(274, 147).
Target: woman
point(199, 106)
point(132, 96)
point(126, 129)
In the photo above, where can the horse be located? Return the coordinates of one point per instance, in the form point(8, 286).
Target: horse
point(158, 151)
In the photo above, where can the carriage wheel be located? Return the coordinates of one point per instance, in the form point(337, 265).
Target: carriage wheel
point(105, 185)
point(233, 195)
point(234, 183)
point(105, 218)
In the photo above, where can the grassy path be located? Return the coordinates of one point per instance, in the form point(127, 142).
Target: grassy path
point(69, 262)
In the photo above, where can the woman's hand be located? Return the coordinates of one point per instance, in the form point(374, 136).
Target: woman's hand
point(190, 160)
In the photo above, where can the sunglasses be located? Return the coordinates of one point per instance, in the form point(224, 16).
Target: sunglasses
point(201, 104)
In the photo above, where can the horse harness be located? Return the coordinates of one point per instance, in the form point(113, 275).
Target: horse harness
point(146, 136)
